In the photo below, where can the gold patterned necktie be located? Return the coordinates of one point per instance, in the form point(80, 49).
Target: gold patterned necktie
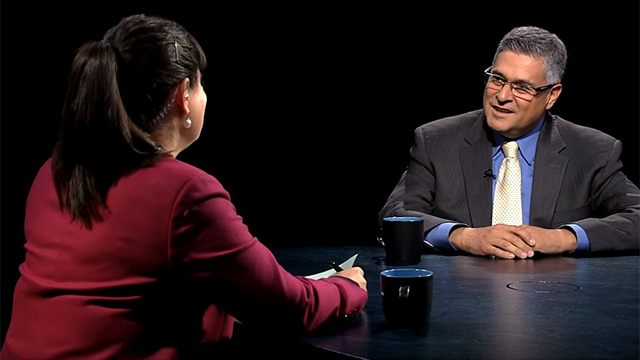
point(507, 202)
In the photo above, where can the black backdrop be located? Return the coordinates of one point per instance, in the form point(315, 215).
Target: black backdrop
point(311, 107)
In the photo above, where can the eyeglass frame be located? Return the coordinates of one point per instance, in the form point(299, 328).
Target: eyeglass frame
point(525, 87)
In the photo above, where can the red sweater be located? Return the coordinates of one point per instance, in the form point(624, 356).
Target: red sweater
point(169, 268)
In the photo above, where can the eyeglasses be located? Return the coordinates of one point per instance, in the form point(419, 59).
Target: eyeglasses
point(519, 90)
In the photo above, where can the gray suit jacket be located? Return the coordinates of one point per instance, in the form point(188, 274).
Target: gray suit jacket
point(578, 179)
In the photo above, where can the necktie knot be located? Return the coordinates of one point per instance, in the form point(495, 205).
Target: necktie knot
point(510, 149)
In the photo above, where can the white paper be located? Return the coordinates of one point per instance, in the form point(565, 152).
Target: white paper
point(345, 265)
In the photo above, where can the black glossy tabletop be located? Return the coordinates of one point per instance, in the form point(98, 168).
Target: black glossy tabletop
point(541, 308)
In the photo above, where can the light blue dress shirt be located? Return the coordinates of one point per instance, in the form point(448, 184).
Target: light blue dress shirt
point(439, 236)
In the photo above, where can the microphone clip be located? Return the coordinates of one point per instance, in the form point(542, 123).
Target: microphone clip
point(488, 173)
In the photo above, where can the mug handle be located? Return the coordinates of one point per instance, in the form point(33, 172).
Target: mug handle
point(379, 237)
point(403, 291)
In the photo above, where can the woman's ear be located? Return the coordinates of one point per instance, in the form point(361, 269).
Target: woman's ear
point(181, 100)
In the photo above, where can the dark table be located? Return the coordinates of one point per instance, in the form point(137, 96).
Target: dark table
point(542, 308)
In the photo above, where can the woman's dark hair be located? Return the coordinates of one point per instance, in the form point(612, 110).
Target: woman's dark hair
point(119, 91)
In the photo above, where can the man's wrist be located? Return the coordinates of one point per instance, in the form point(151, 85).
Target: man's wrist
point(569, 238)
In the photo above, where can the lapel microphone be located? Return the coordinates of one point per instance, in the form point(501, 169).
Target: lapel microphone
point(488, 173)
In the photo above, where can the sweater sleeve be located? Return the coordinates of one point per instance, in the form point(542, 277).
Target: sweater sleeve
point(212, 249)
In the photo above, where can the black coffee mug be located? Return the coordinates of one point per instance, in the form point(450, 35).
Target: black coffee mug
point(407, 296)
point(402, 238)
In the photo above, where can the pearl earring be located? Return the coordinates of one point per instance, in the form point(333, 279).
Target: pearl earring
point(187, 123)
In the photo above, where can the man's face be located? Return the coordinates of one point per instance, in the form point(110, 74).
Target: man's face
point(509, 112)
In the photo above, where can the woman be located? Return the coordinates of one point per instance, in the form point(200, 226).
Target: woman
point(130, 252)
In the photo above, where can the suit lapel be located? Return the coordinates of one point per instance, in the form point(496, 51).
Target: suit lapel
point(476, 159)
point(549, 169)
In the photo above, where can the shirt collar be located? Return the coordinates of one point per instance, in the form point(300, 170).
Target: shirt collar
point(526, 143)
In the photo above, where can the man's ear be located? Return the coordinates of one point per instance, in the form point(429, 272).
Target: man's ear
point(181, 99)
point(553, 96)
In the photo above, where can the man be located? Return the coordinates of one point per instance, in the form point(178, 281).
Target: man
point(574, 196)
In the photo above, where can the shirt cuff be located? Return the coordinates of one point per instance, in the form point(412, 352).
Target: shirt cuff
point(438, 237)
point(581, 235)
